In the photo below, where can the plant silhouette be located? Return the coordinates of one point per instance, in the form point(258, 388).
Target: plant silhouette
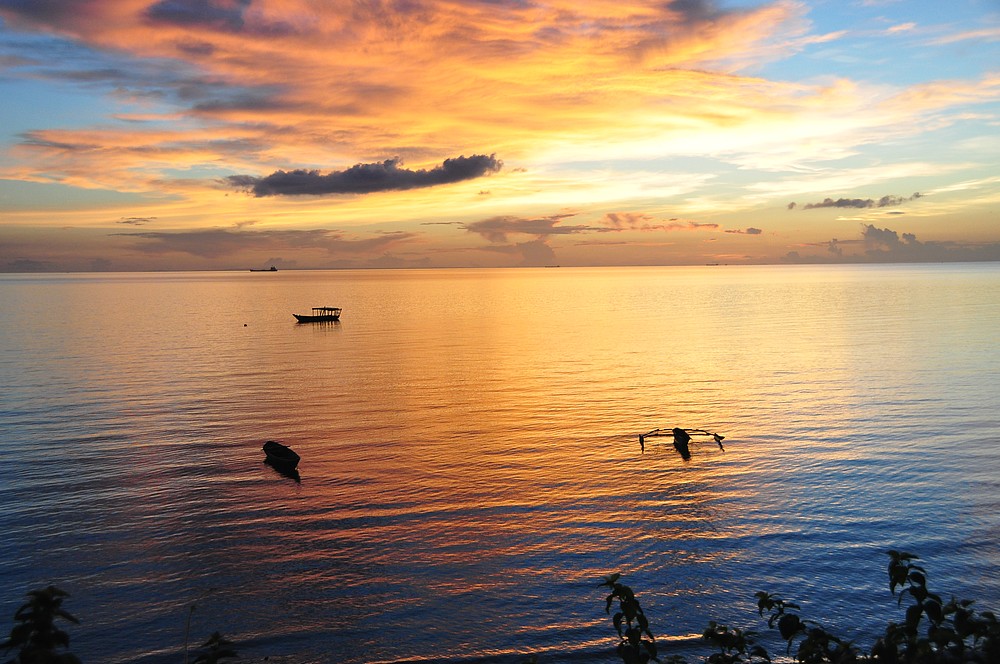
point(35, 635)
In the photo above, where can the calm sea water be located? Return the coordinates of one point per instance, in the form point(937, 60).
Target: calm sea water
point(470, 460)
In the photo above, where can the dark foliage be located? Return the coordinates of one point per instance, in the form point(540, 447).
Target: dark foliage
point(35, 635)
point(636, 642)
point(933, 631)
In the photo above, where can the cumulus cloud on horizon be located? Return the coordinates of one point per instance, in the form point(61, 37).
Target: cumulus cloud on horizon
point(497, 229)
point(366, 178)
point(884, 245)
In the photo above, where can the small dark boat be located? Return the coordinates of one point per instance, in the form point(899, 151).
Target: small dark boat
point(270, 269)
point(280, 456)
point(319, 315)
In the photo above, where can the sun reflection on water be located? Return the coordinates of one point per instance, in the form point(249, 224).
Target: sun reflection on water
point(469, 447)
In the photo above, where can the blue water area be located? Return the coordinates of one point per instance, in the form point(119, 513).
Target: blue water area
point(470, 466)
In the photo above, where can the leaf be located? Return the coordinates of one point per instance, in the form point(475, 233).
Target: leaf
point(789, 625)
point(897, 577)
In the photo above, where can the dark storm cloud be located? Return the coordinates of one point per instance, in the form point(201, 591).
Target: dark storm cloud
point(218, 243)
point(858, 203)
point(366, 178)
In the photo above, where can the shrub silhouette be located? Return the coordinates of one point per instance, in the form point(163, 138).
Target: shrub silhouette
point(637, 644)
point(35, 634)
point(932, 632)
point(39, 641)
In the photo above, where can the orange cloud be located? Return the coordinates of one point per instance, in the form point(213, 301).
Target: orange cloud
point(294, 84)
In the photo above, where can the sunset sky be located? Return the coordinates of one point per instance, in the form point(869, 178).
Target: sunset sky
point(228, 134)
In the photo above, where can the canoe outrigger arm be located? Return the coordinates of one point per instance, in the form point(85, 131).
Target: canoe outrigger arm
point(684, 434)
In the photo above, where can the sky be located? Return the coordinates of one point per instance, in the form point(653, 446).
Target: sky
point(235, 134)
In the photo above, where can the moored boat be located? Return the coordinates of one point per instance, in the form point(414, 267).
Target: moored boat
point(280, 455)
point(319, 314)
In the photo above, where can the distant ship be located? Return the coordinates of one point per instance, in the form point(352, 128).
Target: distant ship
point(270, 269)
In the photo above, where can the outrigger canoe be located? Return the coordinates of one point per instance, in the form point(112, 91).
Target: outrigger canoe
point(681, 439)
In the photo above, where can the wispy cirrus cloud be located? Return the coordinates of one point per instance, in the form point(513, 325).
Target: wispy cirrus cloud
point(224, 242)
point(343, 82)
point(991, 33)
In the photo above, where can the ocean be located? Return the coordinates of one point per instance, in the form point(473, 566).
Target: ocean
point(471, 467)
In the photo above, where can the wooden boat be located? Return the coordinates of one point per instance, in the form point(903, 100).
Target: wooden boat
point(270, 269)
point(280, 455)
point(319, 315)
